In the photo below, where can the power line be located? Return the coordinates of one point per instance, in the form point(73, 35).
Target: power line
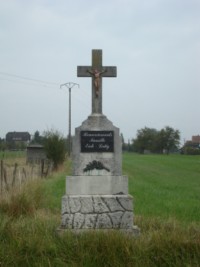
point(27, 78)
point(14, 78)
point(27, 83)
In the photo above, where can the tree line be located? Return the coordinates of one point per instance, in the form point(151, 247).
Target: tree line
point(150, 140)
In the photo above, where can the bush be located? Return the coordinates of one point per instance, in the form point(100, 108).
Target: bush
point(54, 145)
point(191, 151)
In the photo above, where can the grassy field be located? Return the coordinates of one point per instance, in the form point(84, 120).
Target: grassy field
point(12, 154)
point(166, 197)
point(165, 186)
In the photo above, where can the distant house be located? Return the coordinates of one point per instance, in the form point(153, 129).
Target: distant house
point(196, 139)
point(35, 154)
point(18, 136)
point(17, 139)
point(192, 147)
point(195, 142)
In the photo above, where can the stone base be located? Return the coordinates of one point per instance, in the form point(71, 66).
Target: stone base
point(82, 212)
point(97, 185)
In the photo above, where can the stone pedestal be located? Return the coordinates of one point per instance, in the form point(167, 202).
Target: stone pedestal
point(97, 192)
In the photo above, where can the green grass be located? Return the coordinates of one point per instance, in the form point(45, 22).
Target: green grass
point(32, 241)
point(12, 154)
point(165, 186)
point(53, 189)
point(166, 196)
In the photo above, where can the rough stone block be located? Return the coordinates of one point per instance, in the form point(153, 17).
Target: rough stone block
point(67, 221)
point(99, 205)
point(65, 205)
point(79, 220)
point(112, 203)
point(74, 204)
point(90, 221)
point(127, 220)
point(103, 221)
point(116, 218)
point(126, 202)
point(86, 204)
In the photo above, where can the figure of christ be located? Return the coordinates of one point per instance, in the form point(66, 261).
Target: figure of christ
point(97, 75)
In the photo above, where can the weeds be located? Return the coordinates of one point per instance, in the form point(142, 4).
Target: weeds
point(22, 201)
point(34, 242)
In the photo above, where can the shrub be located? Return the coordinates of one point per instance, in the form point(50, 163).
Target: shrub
point(191, 151)
point(54, 145)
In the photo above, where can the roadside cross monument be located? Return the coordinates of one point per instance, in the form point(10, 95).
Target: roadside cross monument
point(96, 72)
point(97, 192)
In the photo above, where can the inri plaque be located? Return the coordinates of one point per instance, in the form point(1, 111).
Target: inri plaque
point(97, 141)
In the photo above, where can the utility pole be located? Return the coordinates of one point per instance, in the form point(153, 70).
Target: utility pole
point(69, 85)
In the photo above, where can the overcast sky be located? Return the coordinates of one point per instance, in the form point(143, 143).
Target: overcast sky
point(155, 45)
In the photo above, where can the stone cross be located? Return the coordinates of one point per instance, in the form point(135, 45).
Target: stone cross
point(96, 72)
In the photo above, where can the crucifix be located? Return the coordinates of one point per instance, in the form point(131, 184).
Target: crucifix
point(96, 72)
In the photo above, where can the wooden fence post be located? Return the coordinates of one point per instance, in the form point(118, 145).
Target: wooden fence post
point(42, 168)
point(24, 174)
point(5, 179)
point(14, 174)
point(1, 176)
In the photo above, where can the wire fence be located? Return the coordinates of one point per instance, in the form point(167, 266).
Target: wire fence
point(14, 175)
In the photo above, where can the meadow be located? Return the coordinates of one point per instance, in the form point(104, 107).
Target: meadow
point(165, 186)
point(166, 191)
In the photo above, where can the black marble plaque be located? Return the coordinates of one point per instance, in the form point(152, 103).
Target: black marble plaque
point(97, 141)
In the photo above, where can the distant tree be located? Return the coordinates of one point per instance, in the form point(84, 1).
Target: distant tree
point(155, 141)
point(169, 139)
point(129, 146)
point(68, 145)
point(2, 144)
point(54, 145)
point(37, 138)
point(145, 140)
point(124, 145)
point(190, 148)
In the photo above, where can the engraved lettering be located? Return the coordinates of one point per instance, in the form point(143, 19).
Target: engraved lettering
point(97, 141)
point(106, 147)
point(89, 146)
